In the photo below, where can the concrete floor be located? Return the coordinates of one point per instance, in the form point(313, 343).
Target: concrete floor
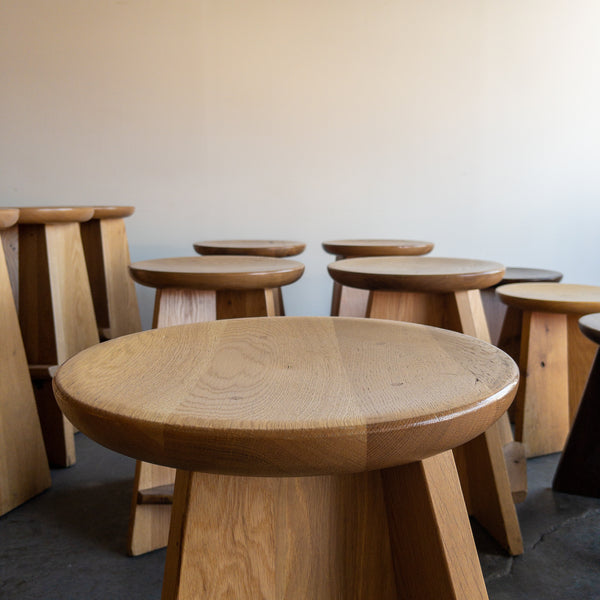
point(69, 543)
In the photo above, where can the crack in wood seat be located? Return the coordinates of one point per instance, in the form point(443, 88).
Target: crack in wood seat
point(212, 287)
point(56, 311)
point(24, 470)
point(444, 292)
point(107, 258)
point(555, 359)
point(320, 441)
point(274, 248)
point(578, 471)
point(350, 301)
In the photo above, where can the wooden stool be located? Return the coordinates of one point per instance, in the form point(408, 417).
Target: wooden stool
point(578, 471)
point(10, 243)
point(444, 292)
point(107, 258)
point(555, 359)
point(274, 248)
point(55, 309)
point(24, 470)
point(312, 453)
point(190, 290)
point(352, 302)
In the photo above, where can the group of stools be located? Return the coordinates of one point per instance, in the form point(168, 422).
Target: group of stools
point(67, 272)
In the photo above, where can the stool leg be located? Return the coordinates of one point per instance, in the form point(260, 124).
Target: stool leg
point(433, 548)
point(578, 471)
point(24, 470)
point(581, 356)
point(278, 302)
point(353, 302)
point(542, 413)
point(175, 306)
point(113, 290)
point(10, 243)
point(234, 304)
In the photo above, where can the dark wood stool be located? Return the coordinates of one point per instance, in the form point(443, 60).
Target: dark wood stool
point(312, 453)
point(352, 302)
point(578, 471)
point(555, 359)
point(273, 248)
point(24, 470)
point(444, 292)
point(107, 258)
point(56, 311)
point(188, 290)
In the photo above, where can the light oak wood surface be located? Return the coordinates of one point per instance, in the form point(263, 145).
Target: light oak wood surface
point(8, 217)
point(39, 215)
point(113, 212)
point(299, 380)
point(416, 274)
point(332, 400)
point(24, 470)
point(217, 272)
point(274, 248)
point(107, 259)
point(366, 247)
point(579, 467)
point(565, 298)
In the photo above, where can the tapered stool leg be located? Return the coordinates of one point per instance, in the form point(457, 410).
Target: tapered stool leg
point(486, 476)
point(24, 468)
point(402, 532)
point(581, 356)
point(578, 471)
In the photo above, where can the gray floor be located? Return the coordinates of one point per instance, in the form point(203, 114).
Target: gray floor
point(70, 541)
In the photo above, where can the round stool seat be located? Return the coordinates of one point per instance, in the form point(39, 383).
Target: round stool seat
point(292, 396)
point(590, 326)
point(423, 274)
point(41, 215)
point(217, 272)
point(524, 274)
point(565, 298)
point(113, 212)
point(276, 248)
point(8, 217)
point(356, 248)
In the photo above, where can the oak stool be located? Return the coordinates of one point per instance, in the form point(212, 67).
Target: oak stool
point(274, 248)
point(444, 292)
point(578, 471)
point(107, 258)
point(56, 311)
point(555, 359)
point(24, 471)
point(312, 454)
point(188, 290)
point(352, 302)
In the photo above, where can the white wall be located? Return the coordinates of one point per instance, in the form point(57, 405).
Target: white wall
point(471, 123)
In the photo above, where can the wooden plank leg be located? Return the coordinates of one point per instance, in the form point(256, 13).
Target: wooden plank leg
point(336, 295)
point(581, 355)
point(149, 523)
point(578, 471)
point(274, 538)
point(542, 414)
point(234, 304)
point(353, 302)
point(278, 302)
point(432, 544)
point(510, 342)
point(469, 312)
point(24, 470)
point(178, 306)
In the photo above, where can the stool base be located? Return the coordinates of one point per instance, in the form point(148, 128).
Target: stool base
point(401, 532)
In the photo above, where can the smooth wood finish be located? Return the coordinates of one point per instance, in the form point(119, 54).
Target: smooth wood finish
point(24, 470)
point(377, 247)
point(217, 272)
point(551, 311)
point(40, 215)
point(318, 445)
point(578, 471)
point(56, 314)
point(489, 489)
point(416, 274)
point(10, 244)
point(274, 248)
point(8, 217)
point(107, 258)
